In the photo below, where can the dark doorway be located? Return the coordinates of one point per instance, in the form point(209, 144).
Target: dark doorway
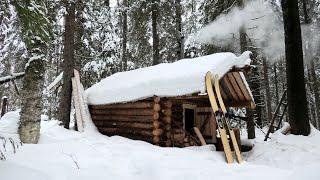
point(189, 120)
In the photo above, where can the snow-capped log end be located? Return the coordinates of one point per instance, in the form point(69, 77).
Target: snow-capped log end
point(180, 78)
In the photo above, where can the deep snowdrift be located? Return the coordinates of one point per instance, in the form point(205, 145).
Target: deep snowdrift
point(183, 77)
point(66, 155)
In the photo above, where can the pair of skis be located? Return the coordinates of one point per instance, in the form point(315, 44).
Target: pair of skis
point(221, 118)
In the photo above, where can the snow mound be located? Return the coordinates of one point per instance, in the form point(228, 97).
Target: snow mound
point(9, 122)
point(168, 79)
point(290, 152)
point(9, 138)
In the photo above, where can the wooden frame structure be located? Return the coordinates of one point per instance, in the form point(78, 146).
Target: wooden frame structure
point(160, 120)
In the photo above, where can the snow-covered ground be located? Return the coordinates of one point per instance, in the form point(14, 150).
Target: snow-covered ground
point(66, 155)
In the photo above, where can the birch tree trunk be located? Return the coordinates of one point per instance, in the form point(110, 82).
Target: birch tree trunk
point(36, 39)
point(30, 114)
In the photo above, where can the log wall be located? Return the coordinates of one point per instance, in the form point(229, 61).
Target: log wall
point(147, 120)
point(157, 121)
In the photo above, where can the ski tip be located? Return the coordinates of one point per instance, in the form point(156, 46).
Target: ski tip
point(208, 73)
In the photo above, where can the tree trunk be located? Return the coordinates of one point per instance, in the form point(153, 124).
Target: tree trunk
point(30, 115)
point(155, 36)
point(33, 84)
point(67, 66)
point(78, 35)
point(297, 103)
point(124, 35)
point(243, 47)
point(316, 92)
point(312, 74)
point(276, 82)
point(267, 88)
point(179, 37)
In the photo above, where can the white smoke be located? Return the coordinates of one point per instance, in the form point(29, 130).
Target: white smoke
point(263, 26)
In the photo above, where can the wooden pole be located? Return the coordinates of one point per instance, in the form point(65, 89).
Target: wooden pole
point(198, 133)
point(4, 105)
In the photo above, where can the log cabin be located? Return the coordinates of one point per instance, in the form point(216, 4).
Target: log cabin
point(162, 104)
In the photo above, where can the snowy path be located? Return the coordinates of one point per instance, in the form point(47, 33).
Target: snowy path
point(60, 151)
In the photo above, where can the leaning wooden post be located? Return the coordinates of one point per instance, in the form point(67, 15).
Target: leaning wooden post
point(4, 105)
point(157, 131)
point(199, 135)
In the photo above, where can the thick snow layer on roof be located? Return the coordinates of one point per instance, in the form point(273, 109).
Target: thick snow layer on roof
point(183, 77)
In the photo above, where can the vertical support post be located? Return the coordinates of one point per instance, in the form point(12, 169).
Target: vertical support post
point(156, 124)
point(167, 123)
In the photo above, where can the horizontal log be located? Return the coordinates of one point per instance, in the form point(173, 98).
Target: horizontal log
point(156, 139)
point(131, 112)
point(168, 135)
point(167, 127)
point(166, 119)
point(134, 137)
point(130, 105)
point(139, 125)
point(157, 132)
point(166, 112)
point(156, 124)
point(122, 118)
point(156, 107)
point(126, 131)
point(167, 104)
point(168, 143)
point(156, 99)
point(132, 125)
point(156, 116)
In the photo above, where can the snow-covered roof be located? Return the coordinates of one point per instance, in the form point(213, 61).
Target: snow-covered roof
point(184, 77)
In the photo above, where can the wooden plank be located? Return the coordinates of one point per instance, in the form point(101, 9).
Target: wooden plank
point(229, 86)
point(198, 133)
point(83, 105)
point(224, 95)
point(76, 101)
point(242, 86)
point(235, 86)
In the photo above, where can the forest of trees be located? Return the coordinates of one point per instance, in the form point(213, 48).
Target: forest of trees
point(102, 37)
